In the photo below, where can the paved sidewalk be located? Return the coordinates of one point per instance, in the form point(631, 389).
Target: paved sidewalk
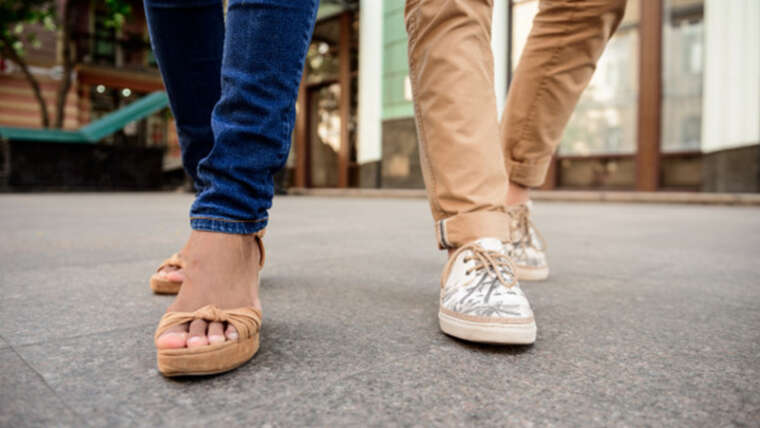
point(651, 317)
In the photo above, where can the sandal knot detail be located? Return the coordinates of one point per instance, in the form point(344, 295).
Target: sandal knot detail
point(160, 285)
point(211, 359)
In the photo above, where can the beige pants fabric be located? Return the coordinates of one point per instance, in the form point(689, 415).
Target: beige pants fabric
point(467, 156)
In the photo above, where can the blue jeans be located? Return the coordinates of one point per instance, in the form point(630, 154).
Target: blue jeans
point(233, 97)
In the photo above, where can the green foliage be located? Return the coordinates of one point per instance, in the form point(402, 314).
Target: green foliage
point(119, 11)
point(18, 15)
point(15, 15)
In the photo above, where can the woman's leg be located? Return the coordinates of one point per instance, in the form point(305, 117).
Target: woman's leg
point(264, 49)
point(187, 39)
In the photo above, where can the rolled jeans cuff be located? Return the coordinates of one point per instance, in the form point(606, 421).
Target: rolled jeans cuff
point(460, 229)
point(528, 174)
point(238, 227)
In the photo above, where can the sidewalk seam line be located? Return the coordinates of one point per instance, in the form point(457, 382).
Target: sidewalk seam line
point(50, 388)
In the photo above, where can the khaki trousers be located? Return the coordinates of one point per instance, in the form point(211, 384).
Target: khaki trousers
point(467, 156)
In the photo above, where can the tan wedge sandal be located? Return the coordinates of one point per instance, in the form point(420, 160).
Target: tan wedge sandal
point(212, 359)
point(159, 285)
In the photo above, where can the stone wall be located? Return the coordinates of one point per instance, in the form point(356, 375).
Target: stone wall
point(733, 170)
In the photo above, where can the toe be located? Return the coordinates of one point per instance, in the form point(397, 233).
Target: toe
point(175, 337)
point(174, 276)
point(231, 333)
point(215, 333)
point(170, 273)
point(197, 334)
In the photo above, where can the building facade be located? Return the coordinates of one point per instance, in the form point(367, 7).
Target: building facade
point(673, 104)
point(113, 67)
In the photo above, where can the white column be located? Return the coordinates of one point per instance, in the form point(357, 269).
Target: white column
point(731, 82)
point(369, 136)
point(499, 31)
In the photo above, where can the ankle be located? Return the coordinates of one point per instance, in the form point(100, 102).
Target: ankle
point(220, 269)
point(217, 247)
point(517, 194)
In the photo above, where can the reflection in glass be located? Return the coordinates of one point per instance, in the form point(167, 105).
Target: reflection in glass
point(324, 135)
point(682, 65)
point(605, 119)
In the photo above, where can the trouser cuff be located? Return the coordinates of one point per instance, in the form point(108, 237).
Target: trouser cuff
point(463, 228)
point(528, 174)
point(238, 227)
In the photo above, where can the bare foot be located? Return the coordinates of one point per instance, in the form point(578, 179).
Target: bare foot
point(220, 269)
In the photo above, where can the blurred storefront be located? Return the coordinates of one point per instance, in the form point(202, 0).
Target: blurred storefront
point(323, 153)
point(673, 104)
point(112, 68)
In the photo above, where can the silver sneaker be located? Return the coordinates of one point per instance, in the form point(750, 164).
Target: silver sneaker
point(481, 300)
point(527, 247)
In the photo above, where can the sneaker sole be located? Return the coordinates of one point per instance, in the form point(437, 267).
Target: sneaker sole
point(488, 332)
point(525, 273)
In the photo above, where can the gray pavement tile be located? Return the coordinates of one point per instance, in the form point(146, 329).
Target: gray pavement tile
point(607, 354)
point(456, 384)
point(630, 240)
point(65, 230)
point(112, 297)
point(321, 320)
point(110, 378)
point(47, 304)
point(649, 317)
point(25, 400)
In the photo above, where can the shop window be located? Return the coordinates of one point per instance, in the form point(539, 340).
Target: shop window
point(682, 65)
point(604, 121)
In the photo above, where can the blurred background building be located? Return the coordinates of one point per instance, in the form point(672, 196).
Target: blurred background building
point(673, 105)
point(112, 68)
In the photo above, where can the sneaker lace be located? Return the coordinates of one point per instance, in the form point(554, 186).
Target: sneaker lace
point(494, 262)
point(521, 215)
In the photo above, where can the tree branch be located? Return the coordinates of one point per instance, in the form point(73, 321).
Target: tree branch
point(14, 56)
point(68, 65)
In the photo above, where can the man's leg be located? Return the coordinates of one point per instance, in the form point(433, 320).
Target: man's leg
point(451, 70)
point(559, 58)
point(264, 49)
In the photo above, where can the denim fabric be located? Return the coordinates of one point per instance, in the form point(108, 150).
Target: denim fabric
point(246, 103)
point(190, 60)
